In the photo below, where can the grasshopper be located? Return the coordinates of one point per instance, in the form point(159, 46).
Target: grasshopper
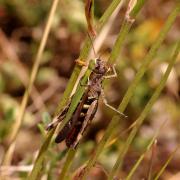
point(87, 107)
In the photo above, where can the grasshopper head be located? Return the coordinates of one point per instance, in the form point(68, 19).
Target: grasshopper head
point(101, 67)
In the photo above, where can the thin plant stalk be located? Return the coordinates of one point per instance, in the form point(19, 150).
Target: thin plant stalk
point(69, 88)
point(115, 121)
point(126, 25)
point(108, 12)
point(166, 164)
point(70, 156)
point(17, 124)
point(136, 165)
point(144, 113)
point(149, 175)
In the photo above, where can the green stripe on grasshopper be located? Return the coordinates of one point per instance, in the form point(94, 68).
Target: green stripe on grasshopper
point(77, 96)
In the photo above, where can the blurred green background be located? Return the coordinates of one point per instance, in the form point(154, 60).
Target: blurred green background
point(21, 27)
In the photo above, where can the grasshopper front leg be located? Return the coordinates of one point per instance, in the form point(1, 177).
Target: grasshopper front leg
point(111, 75)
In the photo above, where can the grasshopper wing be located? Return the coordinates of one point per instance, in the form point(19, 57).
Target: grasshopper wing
point(86, 121)
point(59, 117)
point(64, 132)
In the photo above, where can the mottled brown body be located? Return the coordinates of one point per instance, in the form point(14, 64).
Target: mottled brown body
point(86, 109)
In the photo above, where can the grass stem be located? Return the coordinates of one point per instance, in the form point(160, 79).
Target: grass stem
point(149, 57)
point(144, 113)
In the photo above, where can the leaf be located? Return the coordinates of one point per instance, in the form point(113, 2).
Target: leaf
point(89, 16)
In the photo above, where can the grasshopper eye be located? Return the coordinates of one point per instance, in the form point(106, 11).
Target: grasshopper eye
point(98, 61)
point(109, 69)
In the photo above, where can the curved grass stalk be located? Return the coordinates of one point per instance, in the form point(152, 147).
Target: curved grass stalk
point(166, 164)
point(139, 161)
point(126, 25)
point(144, 113)
point(114, 122)
point(133, 169)
point(69, 88)
point(19, 120)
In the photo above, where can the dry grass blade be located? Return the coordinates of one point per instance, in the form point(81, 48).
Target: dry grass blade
point(89, 8)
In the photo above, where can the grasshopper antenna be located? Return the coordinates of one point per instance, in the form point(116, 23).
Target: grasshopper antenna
point(95, 54)
point(92, 44)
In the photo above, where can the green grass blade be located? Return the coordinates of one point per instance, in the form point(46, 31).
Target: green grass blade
point(38, 163)
point(138, 162)
point(108, 12)
point(114, 122)
point(144, 113)
point(129, 177)
point(70, 156)
point(151, 54)
point(126, 25)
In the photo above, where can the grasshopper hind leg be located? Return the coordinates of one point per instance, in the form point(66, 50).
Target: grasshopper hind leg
point(63, 133)
point(58, 118)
